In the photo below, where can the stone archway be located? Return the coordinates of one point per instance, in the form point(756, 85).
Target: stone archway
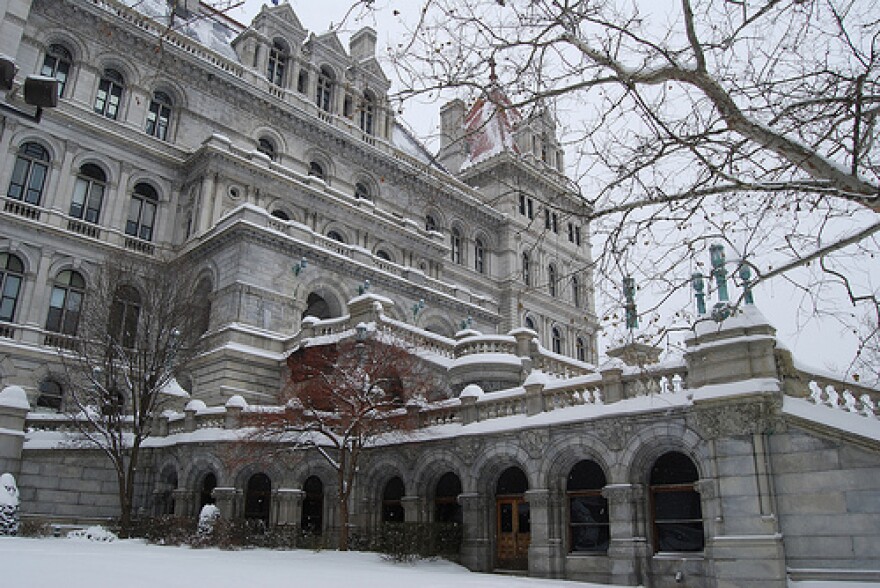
point(512, 521)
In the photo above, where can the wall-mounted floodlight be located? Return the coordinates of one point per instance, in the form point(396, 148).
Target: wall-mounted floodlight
point(7, 72)
point(39, 91)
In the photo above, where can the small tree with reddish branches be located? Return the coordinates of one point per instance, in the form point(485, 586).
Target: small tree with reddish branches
point(341, 398)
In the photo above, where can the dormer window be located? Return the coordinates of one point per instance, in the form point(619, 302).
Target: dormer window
point(367, 108)
point(277, 66)
point(324, 93)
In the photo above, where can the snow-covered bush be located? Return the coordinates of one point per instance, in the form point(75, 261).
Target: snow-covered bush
point(8, 505)
point(95, 533)
point(207, 519)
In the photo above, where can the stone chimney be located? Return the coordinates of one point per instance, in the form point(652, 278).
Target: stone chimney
point(362, 44)
point(452, 147)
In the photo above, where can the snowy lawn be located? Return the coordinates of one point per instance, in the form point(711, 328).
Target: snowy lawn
point(80, 563)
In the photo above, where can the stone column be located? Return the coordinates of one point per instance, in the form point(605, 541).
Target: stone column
point(541, 562)
point(412, 511)
point(184, 501)
point(13, 411)
point(224, 498)
point(289, 501)
point(628, 549)
point(476, 547)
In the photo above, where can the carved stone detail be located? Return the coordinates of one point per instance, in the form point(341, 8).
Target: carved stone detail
point(614, 433)
point(742, 418)
point(534, 442)
point(467, 449)
point(622, 493)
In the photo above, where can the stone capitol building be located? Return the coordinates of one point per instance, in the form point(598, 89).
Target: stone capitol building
point(246, 150)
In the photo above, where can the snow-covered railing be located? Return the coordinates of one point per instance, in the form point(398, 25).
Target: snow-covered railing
point(846, 400)
point(816, 378)
point(559, 365)
point(485, 344)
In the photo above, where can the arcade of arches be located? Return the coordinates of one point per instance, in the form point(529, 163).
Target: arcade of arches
point(575, 510)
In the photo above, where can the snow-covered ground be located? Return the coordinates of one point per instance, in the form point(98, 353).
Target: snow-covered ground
point(80, 563)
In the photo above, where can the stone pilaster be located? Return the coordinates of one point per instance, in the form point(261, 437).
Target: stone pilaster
point(541, 548)
point(412, 509)
point(628, 549)
point(184, 502)
point(288, 509)
point(224, 498)
point(476, 547)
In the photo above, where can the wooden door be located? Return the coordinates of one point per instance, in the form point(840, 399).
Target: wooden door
point(513, 532)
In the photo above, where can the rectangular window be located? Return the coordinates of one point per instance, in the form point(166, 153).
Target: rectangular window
point(522, 204)
point(531, 208)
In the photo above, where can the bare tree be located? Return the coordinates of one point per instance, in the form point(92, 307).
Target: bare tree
point(342, 397)
point(752, 124)
point(140, 324)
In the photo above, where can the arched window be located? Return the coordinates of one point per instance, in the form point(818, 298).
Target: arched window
point(324, 93)
point(109, 95)
point(280, 214)
point(206, 491)
point(11, 276)
point(277, 66)
point(29, 174)
point(317, 307)
point(88, 193)
point(258, 498)
point(588, 528)
point(581, 349)
point(382, 254)
point(65, 303)
point(446, 506)
point(312, 521)
point(159, 115)
point(392, 506)
point(51, 395)
point(430, 223)
point(165, 492)
point(676, 512)
point(529, 323)
point(266, 147)
point(575, 291)
point(479, 256)
point(56, 64)
point(455, 244)
point(336, 236)
point(362, 191)
point(202, 320)
point(124, 314)
point(551, 280)
point(526, 269)
point(317, 170)
point(142, 212)
point(556, 336)
point(367, 107)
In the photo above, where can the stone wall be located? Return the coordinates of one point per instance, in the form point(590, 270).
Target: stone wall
point(828, 500)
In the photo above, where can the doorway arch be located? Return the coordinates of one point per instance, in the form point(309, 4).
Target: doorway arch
point(512, 521)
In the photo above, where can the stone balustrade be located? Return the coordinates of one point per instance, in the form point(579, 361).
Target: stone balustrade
point(828, 395)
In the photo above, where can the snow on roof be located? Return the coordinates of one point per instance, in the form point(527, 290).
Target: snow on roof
point(406, 142)
point(489, 127)
point(14, 397)
point(832, 417)
point(173, 388)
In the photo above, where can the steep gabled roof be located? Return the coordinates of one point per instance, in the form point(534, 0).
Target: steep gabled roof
point(489, 127)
